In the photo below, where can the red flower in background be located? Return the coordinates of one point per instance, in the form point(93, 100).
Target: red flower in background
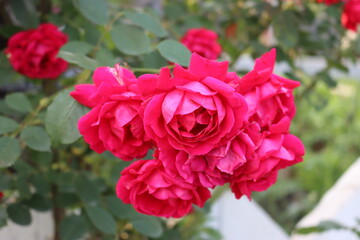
point(350, 17)
point(329, 2)
point(1, 195)
point(34, 52)
point(203, 42)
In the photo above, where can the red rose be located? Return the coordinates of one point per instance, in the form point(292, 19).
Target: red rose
point(193, 109)
point(259, 172)
point(203, 42)
point(269, 97)
point(113, 123)
point(150, 190)
point(33, 52)
point(350, 17)
point(329, 2)
point(1, 195)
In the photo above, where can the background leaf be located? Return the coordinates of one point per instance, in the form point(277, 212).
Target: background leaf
point(147, 22)
point(62, 118)
point(175, 52)
point(147, 225)
point(102, 220)
point(36, 138)
point(130, 40)
point(19, 213)
point(95, 11)
point(73, 227)
point(7, 125)
point(9, 151)
point(79, 59)
point(77, 47)
point(18, 102)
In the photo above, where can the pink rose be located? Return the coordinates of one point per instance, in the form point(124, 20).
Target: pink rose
point(216, 167)
point(269, 97)
point(150, 190)
point(275, 152)
point(194, 169)
point(113, 123)
point(34, 52)
point(192, 110)
point(203, 42)
point(350, 17)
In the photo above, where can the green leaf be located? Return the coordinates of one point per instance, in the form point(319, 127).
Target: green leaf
point(22, 186)
point(174, 51)
point(321, 227)
point(9, 151)
point(101, 219)
point(41, 183)
point(4, 182)
point(64, 200)
point(62, 118)
point(118, 208)
point(36, 138)
point(130, 40)
point(25, 12)
point(95, 11)
point(19, 213)
point(18, 102)
point(147, 22)
point(285, 30)
point(79, 59)
point(39, 203)
point(7, 125)
point(73, 227)
point(147, 225)
point(87, 189)
point(3, 216)
point(77, 47)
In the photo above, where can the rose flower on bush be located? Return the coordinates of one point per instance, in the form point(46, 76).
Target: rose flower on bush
point(350, 17)
point(33, 53)
point(203, 42)
point(208, 126)
point(113, 122)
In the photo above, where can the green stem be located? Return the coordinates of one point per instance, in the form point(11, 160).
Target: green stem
point(148, 70)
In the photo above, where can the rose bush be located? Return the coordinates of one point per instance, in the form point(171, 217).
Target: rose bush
point(34, 52)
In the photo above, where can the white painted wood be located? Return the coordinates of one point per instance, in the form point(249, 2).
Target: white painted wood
point(243, 220)
point(40, 229)
point(341, 204)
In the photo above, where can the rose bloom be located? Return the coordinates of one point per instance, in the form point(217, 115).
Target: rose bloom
point(113, 123)
point(259, 172)
point(216, 167)
point(1, 195)
point(193, 109)
point(350, 17)
point(33, 52)
point(150, 190)
point(269, 97)
point(203, 42)
point(329, 2)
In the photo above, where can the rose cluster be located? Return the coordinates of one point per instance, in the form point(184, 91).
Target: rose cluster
point(33, 53)
point(350, 17)
point(207, 127)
